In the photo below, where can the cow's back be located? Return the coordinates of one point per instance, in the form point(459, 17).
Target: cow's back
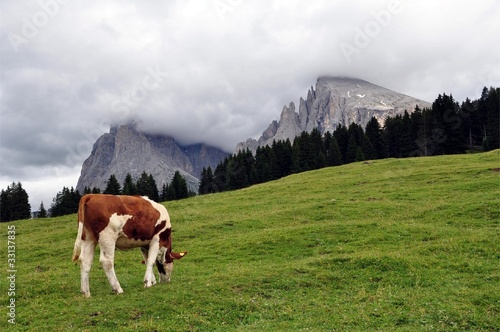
point(95, 211)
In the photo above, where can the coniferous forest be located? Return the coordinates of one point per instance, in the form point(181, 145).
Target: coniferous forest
point(446, 128)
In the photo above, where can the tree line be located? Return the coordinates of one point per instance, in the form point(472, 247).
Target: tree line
point(66, 202)
point(14, 200)
point(445, 128)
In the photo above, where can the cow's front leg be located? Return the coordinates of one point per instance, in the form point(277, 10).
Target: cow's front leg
point(154, 247)
point(144, 252)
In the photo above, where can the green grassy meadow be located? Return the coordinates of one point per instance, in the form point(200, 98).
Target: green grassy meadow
point(387, 245)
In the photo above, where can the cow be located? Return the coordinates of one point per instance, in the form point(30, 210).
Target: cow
point(123, 222)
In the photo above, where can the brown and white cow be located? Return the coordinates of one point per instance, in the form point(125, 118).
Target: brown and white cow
point(123, 222)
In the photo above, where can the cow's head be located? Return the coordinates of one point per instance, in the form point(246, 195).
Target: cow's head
point(165, 262)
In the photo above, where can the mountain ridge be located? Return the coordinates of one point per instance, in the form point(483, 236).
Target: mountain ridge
point(332, 102)
point(126, 150)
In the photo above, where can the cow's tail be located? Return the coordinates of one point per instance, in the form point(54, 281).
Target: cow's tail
point(81, 218)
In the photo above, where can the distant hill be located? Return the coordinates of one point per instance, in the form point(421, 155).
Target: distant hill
point(126, 150)
point(335, 101)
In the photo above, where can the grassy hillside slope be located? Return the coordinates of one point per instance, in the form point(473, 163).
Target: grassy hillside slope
point(404, 245)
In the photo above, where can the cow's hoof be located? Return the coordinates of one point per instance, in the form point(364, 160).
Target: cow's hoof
point(86, 295)
point(118, 291)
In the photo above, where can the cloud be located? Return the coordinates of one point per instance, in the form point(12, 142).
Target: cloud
point(214, 71)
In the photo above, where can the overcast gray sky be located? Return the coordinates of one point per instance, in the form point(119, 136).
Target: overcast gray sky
point(214, 71)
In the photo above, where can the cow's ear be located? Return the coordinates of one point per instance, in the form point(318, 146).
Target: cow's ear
point(178, 255)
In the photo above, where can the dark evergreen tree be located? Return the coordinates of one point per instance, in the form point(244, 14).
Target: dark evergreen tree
point(14, 203)
point(373, 132)
point(407, 140)
point(264, 164)
point(392, 136)
point(178, 187)
point(153, 194)
point(240, 170)
point(318, 153)
point(5, 213)
point(42, 213)
point(283, 158)
point(448, 124)
point(352, 150)
point(164, 193)
point(493, 119)
point(94, 190)
point(425, 132)
point(334, 157)
point(304, 151)
point(112, 186)
point(342, 137)
point(360, 156)
point(146, 186)
point(207, 182)
point(129, 187)
point(220, 176)
point(473, 125)
point(65, 202)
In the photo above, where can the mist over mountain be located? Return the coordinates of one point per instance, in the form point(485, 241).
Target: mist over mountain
point(332, 102)
point(126, 150)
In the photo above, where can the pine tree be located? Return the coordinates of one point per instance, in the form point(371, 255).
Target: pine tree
point(373, 132)
point(42, 213)
point(448, 124)
point(179, 186)
point(283, 158)
point(14, 203)
point(342, 137)
point(318, 152)
point(65, 202)
point(164, 193)
point(146, 186)
point(392, 136)
point(5, 206)
point(334, 157)
point(407, 139)
point(129, 187)
point(153, 189)
point(264, 164)
point(220, 176)
point(112, 186)
point(352, 149)
point(493, 119)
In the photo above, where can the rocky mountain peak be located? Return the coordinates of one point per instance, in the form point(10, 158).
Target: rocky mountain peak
point(332, 102)
point(127, 150)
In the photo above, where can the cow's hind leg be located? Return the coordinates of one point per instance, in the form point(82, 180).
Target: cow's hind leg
point(106, 259)
point(86, 259)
